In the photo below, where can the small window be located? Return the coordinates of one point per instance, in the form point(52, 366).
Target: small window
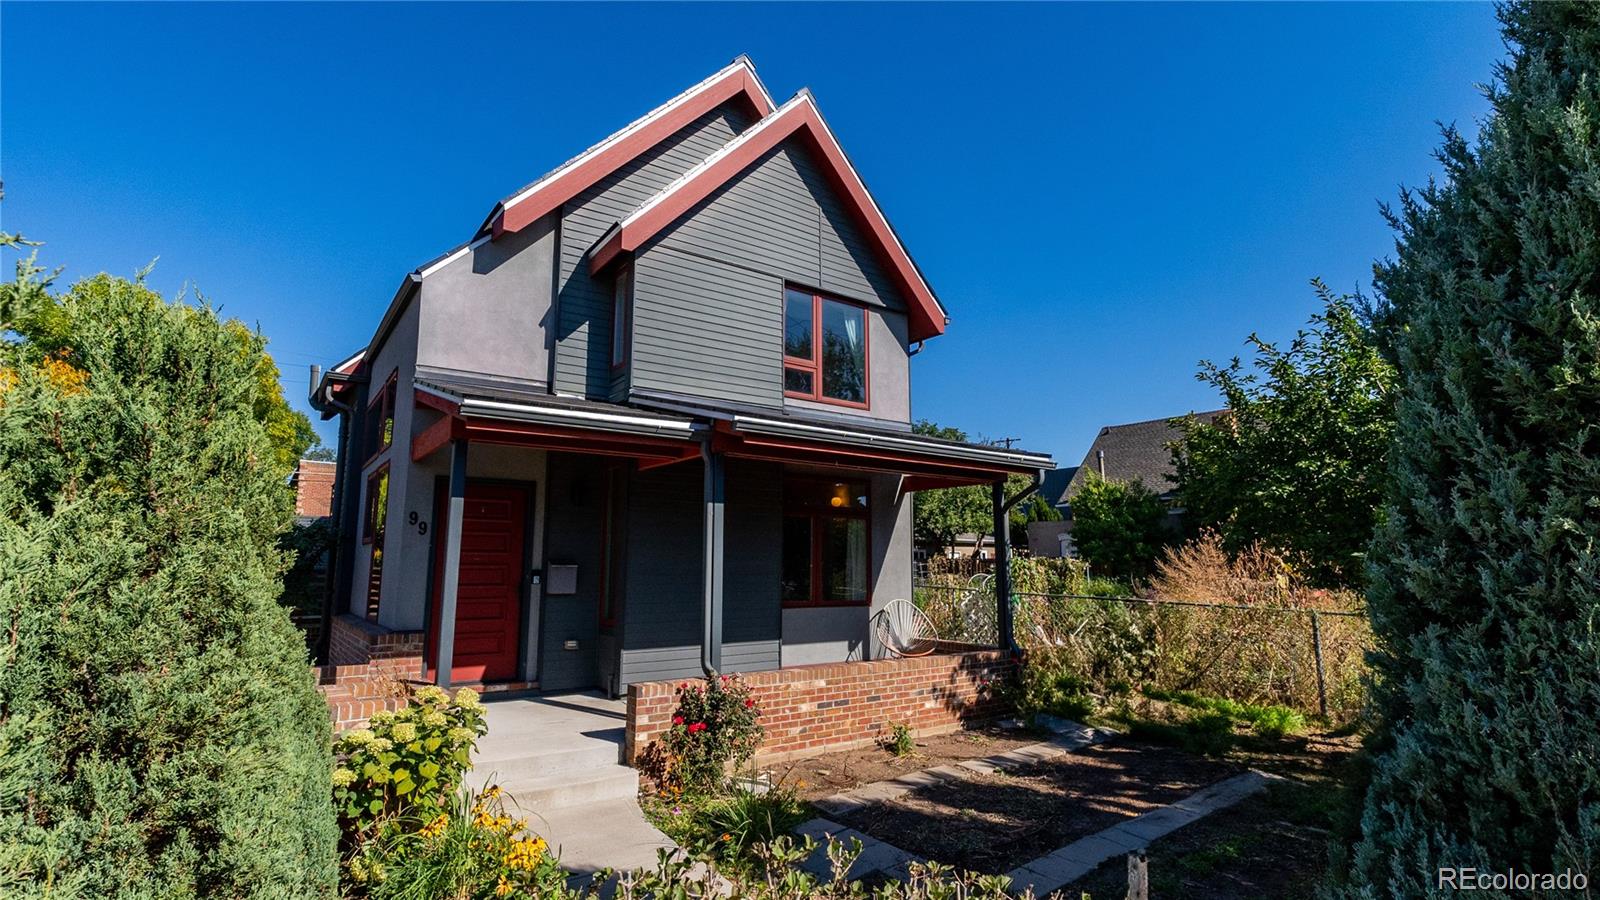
point(824, 348)
point(377, 504)
point(380, 420)
point(377, 512)
point(826, 543)
point(622, 318)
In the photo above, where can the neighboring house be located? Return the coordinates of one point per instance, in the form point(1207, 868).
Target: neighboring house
point(313, 489)
point(1138, 451)
point(653, 418)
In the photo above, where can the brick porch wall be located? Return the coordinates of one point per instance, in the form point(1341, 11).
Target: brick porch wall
point(837, 706)
point(369, 668)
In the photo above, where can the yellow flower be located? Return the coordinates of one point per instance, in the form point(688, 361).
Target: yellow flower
point(404, 732)
point(462, 735)
point(492, 792)
point(432, 694)
point(436, 826)
point(504, 888)
point(433, 718)
point(343, 777)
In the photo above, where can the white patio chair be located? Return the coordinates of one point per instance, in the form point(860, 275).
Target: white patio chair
point(904, 630)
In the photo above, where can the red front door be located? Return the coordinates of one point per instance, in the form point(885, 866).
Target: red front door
point(489, 593)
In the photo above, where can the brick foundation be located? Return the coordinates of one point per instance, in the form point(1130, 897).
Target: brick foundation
point(369, 668)
point(836, 706)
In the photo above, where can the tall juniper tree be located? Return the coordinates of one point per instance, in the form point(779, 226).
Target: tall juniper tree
point(1485, 573)
point(160, 731)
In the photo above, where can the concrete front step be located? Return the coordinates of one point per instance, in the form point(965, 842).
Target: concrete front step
point(560, 760)
point(537, 793)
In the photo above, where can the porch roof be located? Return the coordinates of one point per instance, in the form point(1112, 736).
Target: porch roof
point(927, 462)
point(487, 412)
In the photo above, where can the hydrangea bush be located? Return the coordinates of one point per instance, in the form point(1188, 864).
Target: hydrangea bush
point(406, 763)
point(717, 723)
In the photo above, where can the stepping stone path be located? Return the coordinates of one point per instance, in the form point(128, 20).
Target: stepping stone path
point(1047, 873)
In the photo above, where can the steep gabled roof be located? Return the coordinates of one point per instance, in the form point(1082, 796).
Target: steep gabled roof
point(736, 80)
point(799, 117)
point(1136, 451)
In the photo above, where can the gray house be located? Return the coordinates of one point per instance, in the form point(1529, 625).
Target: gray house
point(652, 418)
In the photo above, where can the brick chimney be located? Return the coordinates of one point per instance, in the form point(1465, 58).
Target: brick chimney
point(313, 488)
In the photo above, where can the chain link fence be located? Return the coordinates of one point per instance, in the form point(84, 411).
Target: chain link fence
point(1306, 657)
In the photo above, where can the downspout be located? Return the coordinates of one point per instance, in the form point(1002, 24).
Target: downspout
point(338, 580)
point(711, 574)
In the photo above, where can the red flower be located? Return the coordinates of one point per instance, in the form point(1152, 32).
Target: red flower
point(677, 720)
point(748, 703)
point(697, 727)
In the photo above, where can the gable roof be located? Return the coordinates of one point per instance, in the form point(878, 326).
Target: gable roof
point(1137, 450)
point(737, 80)
point(799, 117)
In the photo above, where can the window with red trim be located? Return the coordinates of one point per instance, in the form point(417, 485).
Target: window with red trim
point(380, 420)
point(824, 348)
point(827, 543)
point(622, 318)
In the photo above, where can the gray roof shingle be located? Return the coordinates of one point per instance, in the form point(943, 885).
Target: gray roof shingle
point(1135, 451)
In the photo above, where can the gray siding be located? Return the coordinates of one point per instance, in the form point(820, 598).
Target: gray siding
point(583, 332)
point(708, 292)
point(661, 618)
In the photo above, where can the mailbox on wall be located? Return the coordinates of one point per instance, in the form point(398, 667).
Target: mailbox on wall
point(561, 579)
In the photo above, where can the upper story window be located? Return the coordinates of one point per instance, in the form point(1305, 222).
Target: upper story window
point(380, 420)
point(622, 318)
point(824, 348)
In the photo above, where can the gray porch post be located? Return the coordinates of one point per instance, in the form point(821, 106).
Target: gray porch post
point(443, 660)
point(711, 608)
point(1002, 567)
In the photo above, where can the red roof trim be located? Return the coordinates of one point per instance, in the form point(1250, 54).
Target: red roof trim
point(737, 81)
point(798, 117)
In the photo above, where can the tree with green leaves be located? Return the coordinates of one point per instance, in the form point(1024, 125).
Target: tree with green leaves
point(161, 734)
point(1119, 527)
point(1484, 587)
point(1297, 462)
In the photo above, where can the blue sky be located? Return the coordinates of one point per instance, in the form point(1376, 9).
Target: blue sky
point(1102, 195)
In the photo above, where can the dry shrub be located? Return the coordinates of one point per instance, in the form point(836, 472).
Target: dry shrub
point(1248, 647)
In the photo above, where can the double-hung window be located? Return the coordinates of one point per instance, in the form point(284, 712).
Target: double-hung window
point(826, 543)
point(824, 348)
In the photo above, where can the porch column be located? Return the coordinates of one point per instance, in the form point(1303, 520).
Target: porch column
point(711, 607)
point(442, 658)
point(1002, 567)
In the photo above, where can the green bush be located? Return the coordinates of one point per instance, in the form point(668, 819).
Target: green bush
point(406, 763)
point(160, 730)
point(900, 741)
point(716, 723)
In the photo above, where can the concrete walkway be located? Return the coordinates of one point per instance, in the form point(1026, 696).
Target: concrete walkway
point(558, 759)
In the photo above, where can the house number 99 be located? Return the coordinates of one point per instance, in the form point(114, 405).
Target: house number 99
point(422, 524)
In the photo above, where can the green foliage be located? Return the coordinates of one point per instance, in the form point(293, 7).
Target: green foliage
point(729, 828)
point(162, 733)
point(1297, 463)
point(471, 848)
point(716, 723)
point(900, 740)
point(1119, 527)
point(1046, 685)
point(1484, 589)
point(306, 545)
point(1267, 721)
point(409, 762)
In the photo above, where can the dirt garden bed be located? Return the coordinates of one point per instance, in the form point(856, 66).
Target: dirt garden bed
point(831, 773)
point(994, 823)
